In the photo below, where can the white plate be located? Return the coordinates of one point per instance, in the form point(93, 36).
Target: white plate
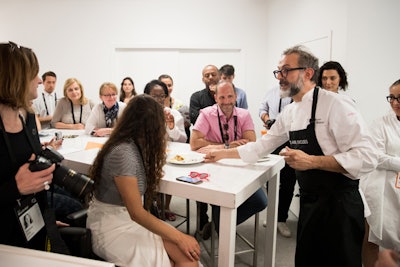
point(187, 159)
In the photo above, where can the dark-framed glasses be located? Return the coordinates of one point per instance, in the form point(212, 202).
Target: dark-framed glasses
point(110, 95)
point(285, 71)
point(391, 99)
point(159, 97)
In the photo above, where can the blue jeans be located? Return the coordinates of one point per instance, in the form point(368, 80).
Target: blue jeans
point(254, 204)
point(63, 203)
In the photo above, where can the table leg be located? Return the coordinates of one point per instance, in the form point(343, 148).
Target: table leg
point(272, 212)
point(227, 237)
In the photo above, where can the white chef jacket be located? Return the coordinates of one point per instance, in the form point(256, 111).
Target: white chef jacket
point(379, 186)
point(339, 128)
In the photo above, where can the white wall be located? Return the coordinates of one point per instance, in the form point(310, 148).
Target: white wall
point(81, 38)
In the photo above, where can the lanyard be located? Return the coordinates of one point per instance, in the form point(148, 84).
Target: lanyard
point(73, 115)
point(220, 128)
point(45, 104)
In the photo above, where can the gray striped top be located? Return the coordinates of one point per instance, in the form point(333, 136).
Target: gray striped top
point(123, 160)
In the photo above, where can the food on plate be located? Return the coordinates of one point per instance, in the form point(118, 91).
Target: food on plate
point(179, 158)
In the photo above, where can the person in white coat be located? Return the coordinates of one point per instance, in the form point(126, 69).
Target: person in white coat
point(382, 186)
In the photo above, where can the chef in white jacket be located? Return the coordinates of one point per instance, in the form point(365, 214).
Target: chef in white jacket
point(382, 186)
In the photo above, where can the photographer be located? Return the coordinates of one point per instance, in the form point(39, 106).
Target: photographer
point(22, 192)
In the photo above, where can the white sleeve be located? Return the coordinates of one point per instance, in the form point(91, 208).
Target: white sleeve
point(357, 152)
point(177, 134)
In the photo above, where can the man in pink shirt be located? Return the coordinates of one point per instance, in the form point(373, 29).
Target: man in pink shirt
point(223, 126)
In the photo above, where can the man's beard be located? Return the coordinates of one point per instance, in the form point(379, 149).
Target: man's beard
point(296, 87)
point(283, 93)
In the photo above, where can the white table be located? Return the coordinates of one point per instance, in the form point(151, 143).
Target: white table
point(23, 257)
point(231, 182)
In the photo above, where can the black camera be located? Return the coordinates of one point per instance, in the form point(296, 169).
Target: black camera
point(75, 183)
point(269, 123)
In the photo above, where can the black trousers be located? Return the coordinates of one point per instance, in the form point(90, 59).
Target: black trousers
point(286, 189)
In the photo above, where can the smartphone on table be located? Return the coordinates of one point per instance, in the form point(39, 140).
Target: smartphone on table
point(190, 180)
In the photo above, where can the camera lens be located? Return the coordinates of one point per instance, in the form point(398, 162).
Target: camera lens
point(77, 184)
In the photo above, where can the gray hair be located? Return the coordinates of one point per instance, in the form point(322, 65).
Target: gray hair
point(306, 59)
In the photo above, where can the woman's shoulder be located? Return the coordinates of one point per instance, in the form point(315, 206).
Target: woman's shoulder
point(64, 100)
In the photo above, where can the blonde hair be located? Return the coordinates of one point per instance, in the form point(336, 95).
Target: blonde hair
point(109, 85)
point(83, 100)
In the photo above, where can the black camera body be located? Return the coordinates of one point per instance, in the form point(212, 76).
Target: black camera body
point(77, 184)
point(269, 123)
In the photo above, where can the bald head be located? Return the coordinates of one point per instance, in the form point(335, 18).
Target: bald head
point(210, 75)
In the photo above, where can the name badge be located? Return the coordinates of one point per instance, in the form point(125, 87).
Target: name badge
point(29, 217)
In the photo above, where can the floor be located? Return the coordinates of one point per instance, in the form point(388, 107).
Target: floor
point(285, 247)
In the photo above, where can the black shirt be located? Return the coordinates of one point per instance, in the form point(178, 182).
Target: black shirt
point(199, 100)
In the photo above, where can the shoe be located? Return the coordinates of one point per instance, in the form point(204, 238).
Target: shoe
point(284, 230)
point(205, 233)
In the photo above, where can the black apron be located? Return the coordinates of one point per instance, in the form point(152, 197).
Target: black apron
point(331, 221)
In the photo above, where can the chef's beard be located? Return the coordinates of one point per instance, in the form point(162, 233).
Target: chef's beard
point(296, 87)
point(283, 93)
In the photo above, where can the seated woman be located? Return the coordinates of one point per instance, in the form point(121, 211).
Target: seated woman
point(175, 103)
point(73, 110)
point(127, 90)
point(173, 118)
point(105, 114)
point(128, 169)
point(174, 122)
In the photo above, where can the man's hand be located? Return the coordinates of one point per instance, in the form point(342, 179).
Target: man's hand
point(239, 142)
point(297, 159)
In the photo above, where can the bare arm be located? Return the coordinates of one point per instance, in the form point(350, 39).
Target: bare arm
point(61, 125)
point(299, 160)
point(217, 154)
point(45, 119)
point(197, 140)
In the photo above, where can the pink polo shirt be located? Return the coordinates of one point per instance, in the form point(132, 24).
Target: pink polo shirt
point(207, 123)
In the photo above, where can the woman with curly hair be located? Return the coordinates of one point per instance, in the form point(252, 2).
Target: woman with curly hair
point(127, 169)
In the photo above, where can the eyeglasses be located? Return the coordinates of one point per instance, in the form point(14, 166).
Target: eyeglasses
point(158, 96)
point(201, 176)
point(110, 95)
point(391, 99)
point(285, 71)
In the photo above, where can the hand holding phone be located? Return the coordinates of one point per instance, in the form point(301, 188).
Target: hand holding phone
point(190, 180)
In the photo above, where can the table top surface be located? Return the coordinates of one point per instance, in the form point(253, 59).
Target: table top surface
point(230, 181)
point(22, 257)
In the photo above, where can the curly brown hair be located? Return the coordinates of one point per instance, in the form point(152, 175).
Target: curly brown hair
point(143, 122)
